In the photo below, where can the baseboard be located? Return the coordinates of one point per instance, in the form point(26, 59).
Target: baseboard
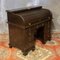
point(56, 35)
point(4, 37)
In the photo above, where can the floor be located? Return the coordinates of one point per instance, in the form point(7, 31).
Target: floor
point(48, 51)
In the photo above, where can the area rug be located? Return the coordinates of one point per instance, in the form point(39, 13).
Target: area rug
point(48, 51)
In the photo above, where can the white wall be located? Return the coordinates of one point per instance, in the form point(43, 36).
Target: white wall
point(53, 5)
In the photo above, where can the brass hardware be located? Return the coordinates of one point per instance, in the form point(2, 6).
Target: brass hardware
point(29, 24)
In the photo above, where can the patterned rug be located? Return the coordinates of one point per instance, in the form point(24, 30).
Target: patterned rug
point(48, 51)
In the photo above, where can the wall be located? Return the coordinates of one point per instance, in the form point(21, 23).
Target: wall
point(3, 20)
point(53, 5)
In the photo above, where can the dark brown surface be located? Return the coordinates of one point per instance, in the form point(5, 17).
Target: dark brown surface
point(25, 26)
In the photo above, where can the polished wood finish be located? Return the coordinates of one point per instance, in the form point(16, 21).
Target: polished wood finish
point(27, 25)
